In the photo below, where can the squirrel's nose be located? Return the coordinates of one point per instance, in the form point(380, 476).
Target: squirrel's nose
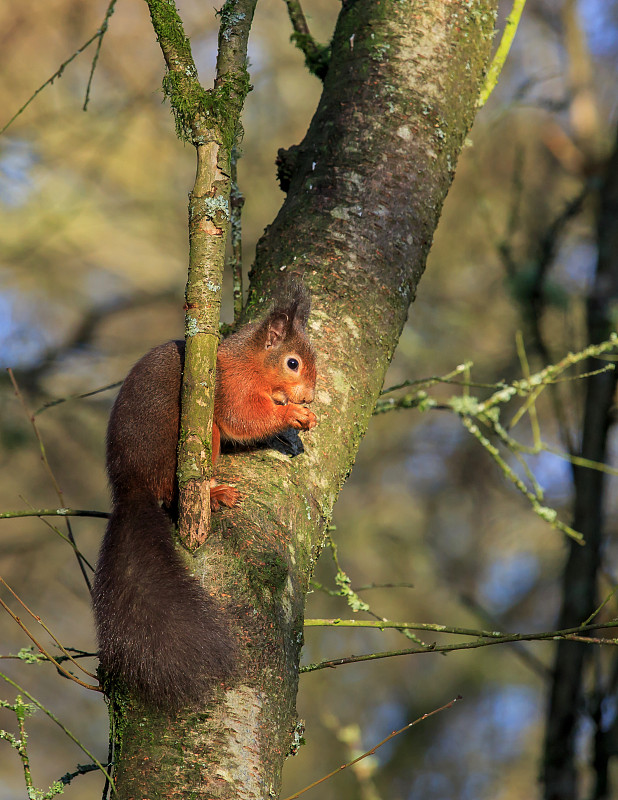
point(309, 394)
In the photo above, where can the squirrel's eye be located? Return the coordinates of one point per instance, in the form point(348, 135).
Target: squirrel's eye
point(293, 364)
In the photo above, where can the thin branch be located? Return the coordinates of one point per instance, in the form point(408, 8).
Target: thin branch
point(210, 120)
point(21, 720)
point(21, 711)
point(354, 601)
point(28, 655)
point(475, 413)
point(495, 68)
point(47, 630)
point(82, 769)
point(572, 634)
point(47, 655)
point(81, 396)
point(58, 73)
point(399, 585)
point(375, 747)
point(382, 625)
point(54, 512)
point(602, 606)
point(237, 202)
point(448, 378)
point(64, 538)
point(101, 33)
point(525, 368)
point(519, 648)
point(546, 513)
point(317, 56)
point(80, 559)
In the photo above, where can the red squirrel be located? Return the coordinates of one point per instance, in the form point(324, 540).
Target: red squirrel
point(159, 632)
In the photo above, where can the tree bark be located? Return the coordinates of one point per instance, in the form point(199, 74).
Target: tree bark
point(366, 187)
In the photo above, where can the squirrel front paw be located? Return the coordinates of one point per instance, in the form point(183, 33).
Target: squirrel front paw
point(223, 496)
point(300, 417)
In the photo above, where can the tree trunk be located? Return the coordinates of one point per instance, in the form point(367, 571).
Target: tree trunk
point(579, 592)
point(366, 187)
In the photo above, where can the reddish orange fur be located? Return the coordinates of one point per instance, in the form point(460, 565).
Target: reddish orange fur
point(256, 395)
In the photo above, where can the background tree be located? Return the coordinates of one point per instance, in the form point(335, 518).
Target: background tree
point(415, 519)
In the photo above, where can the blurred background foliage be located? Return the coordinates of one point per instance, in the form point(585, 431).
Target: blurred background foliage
point(92, 272)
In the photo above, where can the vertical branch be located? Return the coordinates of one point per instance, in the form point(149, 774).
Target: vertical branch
point(208, 119)
point(237, 202)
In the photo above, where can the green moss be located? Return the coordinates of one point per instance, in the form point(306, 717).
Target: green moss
point(168, 26)
point(267, 570)
point(195, 108)
point(119, 703)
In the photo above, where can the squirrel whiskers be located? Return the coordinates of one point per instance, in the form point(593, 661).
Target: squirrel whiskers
point(158, 630)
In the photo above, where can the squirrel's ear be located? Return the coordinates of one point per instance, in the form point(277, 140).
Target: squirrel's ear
point(292, 309)
point(277, 326)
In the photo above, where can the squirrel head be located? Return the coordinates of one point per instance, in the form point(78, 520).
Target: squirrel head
point(289, 358)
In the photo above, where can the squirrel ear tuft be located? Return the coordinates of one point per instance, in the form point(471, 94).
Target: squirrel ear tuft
point(295, 301)
point(291, 308)
point(277, 326)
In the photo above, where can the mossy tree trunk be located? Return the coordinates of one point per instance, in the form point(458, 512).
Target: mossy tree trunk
point(366, 187)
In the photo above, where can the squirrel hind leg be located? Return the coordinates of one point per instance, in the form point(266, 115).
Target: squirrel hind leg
point(223, 496)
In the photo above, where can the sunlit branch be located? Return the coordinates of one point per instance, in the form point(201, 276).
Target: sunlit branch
point(571, 634)
point(475, 414)
point(495, 68)
point(355, 602)
point(54, 512)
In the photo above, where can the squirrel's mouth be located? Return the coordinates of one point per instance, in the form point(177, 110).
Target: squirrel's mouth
point(302, 395)
point(280, 398)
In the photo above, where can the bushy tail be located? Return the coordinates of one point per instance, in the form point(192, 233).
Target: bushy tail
point(158, 630)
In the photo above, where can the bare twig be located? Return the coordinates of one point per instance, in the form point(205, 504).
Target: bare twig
point(47, 630)
point(356, 603)
point(375, 747)
point(81, 396)
point(80, 559)
point(58, 73)
point(572, 634)
point(47, 655)
point(101, 33)
point(54, 512)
